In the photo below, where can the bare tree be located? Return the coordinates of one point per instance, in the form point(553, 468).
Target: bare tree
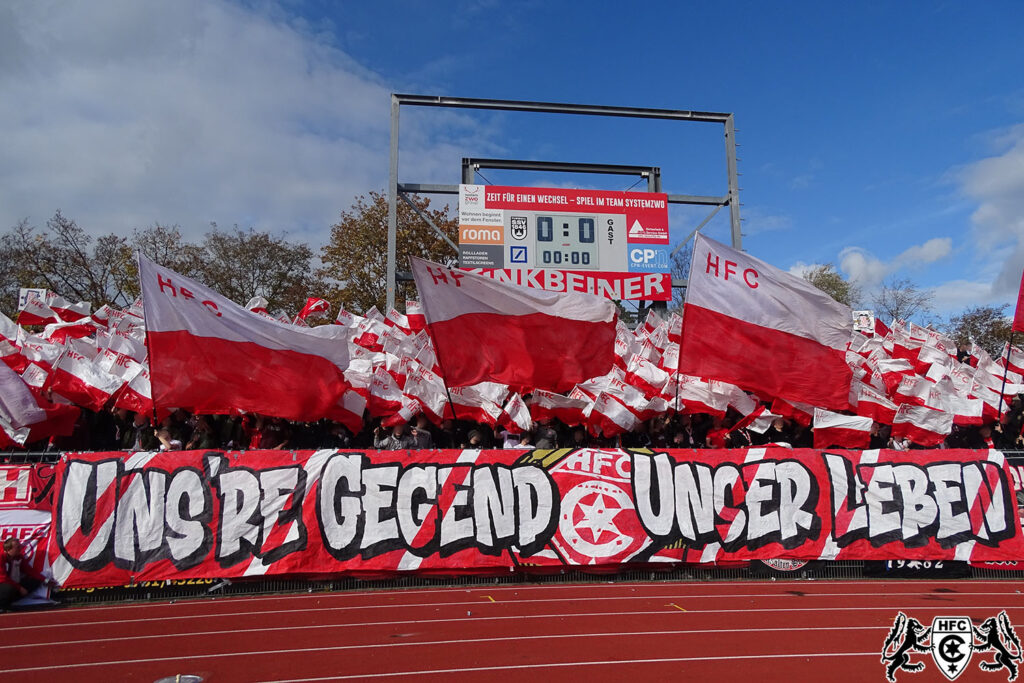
point(901, 299)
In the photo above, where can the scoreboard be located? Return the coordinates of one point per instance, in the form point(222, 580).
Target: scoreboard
point(610, 236)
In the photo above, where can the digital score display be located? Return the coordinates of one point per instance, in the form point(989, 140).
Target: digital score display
point(603, 241)
point(567, 241)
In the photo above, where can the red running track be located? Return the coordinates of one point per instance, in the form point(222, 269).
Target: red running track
point(774, 630)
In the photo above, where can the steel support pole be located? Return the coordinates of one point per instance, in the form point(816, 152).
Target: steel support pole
point(426, 219)
point(392, 206)
point(734, 185)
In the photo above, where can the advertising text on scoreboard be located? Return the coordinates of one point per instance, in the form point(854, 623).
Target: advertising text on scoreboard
point(615, 236)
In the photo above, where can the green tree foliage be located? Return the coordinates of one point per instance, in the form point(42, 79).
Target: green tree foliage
point(355, 258)
point(986, 326)
point(829, 280)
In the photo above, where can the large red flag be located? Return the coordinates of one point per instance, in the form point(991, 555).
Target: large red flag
point(207, 354)
point(486, 330)
point(1018, 316)
point(753, 325)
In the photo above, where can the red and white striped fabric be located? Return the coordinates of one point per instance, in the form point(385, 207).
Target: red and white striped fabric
point(1013, 358)
point(472, 405)
point(757, 420)
point(892, 371)
point(414, 313)
point(873, 405)
point(913, 389)
point(833, 430)
point(60, 332)
point(385, 394)
point(801, 413)
point(515, 413)
point(347, 320)
point(137, 395)
point(36, 312)
point(207, 354)
point(81, 381)
point(67, 311)
point(922, 425)
point(399, 320)
point(258, 304)
point(696, 395)
point(315, 308)
point(645, 376)
point(408, 409)
point(745, 322)
point(610, 416)
point(18, 405)
point(526, 338)
point(546, 405)
point(427, 388)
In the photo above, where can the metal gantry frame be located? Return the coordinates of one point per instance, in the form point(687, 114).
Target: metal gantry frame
point(471, 165)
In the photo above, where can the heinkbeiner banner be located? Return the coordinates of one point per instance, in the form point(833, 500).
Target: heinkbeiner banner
point(120, 519)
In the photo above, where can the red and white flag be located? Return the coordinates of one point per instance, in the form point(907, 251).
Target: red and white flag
point(801, 413)
point(207, 354)
point(314, 308)
point(67, 311)
point(516, 413)
point(1018, 313)
point(545, 405)
point(873, 405)
point(696, 395)
point(610, 416)
point(81, 381)
point(645, 376)
point(472, 405)
point(751, 324)
point(137, 395)
point(834, 430)
point(258, 304)
point(526, 338)
point(922, 425)
point(427, 388)
point(399, 320)
point(36, 312)
point(17, 403)
point(385, 394)
point(414, 312)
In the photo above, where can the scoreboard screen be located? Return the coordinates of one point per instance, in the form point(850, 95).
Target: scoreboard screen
point(567, 241)
point(595, 235)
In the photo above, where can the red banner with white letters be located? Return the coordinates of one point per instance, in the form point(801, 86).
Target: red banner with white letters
point(149, 516)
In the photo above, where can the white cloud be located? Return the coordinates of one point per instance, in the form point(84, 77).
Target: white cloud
point(997, 184)
point(801, 269)
point(122, 113)
point(868, 271)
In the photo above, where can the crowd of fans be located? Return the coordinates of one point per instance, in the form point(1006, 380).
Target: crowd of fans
point(119, 429)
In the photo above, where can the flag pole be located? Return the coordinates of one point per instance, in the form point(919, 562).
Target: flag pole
point(149, 356)
point(433, 341)
point(1006, 371)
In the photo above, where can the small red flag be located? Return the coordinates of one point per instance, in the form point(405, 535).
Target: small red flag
point(1018, 316)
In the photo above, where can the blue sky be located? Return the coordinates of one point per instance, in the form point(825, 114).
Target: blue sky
point(885, 138)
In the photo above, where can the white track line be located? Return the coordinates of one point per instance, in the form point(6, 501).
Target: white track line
point(415, 642)
point(654, 583)
point(220, 655)
point(563, 615)
point(565, 664)
point(480, 603)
